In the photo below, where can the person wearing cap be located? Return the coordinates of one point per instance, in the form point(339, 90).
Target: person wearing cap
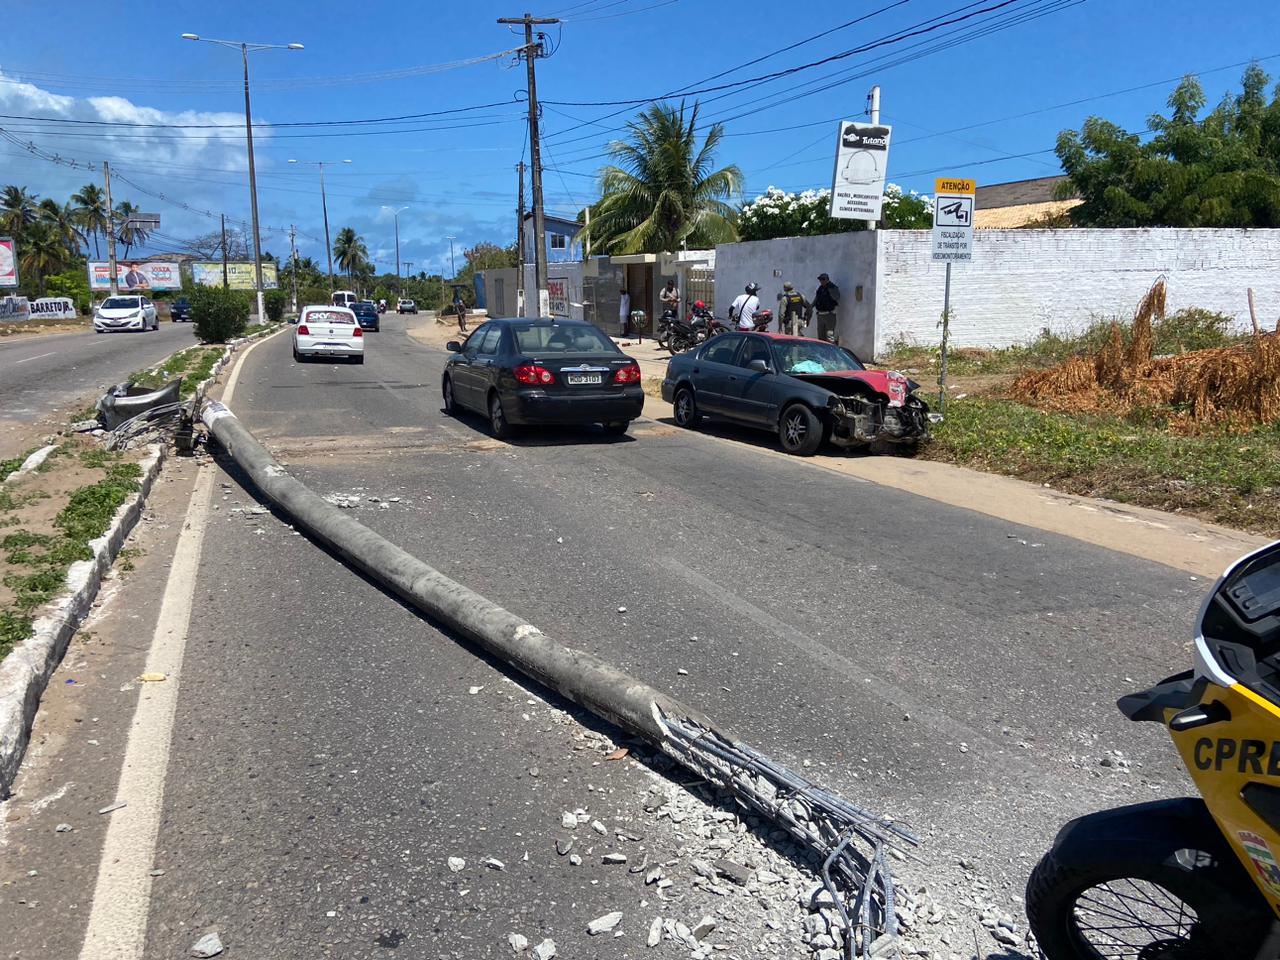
point(825, 303)
point(794, 311)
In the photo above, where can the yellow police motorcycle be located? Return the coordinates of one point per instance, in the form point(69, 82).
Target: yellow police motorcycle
point(1188, 879)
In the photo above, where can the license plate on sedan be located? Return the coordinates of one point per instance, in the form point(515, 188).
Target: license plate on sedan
point(584, 379)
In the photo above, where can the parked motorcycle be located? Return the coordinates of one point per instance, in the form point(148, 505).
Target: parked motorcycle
point(1190, 878)
point(678, 335)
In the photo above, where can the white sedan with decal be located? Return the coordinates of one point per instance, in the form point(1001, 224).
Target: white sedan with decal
point(328, 332)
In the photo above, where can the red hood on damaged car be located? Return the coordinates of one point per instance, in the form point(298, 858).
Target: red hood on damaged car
point(892, 384)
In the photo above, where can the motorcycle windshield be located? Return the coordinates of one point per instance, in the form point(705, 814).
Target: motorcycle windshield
point(1239, 636)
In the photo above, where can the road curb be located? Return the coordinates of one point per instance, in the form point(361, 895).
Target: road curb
point(25, 671)
point(32, 462)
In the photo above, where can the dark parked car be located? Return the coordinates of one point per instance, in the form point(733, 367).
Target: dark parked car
point(180, 309)
point(545, 371)
point(806, 391)
point(366, 312)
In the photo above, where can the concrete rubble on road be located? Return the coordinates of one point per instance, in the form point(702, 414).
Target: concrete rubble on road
point(545, 950)
point(604, 924)
point(210, 945)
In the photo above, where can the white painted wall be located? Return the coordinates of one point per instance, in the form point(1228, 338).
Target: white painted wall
point(850, 259)
point(1022, 281)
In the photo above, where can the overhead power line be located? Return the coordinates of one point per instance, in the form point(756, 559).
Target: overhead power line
point(791, 70)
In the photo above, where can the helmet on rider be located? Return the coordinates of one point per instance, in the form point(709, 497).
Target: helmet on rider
point(699, 305)
point(753, 288)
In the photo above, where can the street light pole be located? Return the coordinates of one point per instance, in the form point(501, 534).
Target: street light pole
point(324, 205)
point(395, 215)
point(245, 48)
point(453, 271)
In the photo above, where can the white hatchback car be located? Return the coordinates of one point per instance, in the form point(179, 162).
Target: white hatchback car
point(133, 312)
point(328, 332)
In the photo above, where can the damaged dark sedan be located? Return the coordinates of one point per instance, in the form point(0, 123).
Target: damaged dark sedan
point(806, 391)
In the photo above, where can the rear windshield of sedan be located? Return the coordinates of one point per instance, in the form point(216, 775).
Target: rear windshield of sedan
point(329, 316)
point(120, 303)
point(543, 338)
point(813, 356)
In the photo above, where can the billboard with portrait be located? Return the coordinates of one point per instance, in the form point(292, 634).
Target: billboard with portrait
point(136, 275)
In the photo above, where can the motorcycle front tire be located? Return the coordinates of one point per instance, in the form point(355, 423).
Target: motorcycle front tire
point(1173, 844)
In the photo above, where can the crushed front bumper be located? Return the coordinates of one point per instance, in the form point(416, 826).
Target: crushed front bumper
point(855, 422)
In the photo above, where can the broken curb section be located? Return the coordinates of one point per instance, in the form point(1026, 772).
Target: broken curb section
point(25, 672)
point(851, 845)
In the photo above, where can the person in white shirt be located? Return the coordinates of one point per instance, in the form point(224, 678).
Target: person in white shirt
point(745, 306)
point(624, 312)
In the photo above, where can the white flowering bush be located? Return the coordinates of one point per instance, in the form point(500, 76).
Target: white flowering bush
point(776, 213)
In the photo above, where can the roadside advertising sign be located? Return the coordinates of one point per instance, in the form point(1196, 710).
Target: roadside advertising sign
point(558, 296)
point(54, 308)
point(136, 275)
point(240, 274)
point(953, 209)
point(862, 157)
point(8, 263)
point(15, 308)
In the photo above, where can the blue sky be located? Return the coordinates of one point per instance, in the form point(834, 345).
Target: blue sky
point(455, 172)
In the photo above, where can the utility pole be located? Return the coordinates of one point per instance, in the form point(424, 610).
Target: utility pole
point(253, 191)
point(408, 268)
point(531, 53)
point(293, 249)
point(224, 251)
point(873, 102)
point(111, 230)
point(520, 244)
point(453, 273)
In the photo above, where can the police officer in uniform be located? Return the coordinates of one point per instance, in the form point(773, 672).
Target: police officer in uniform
point(794, 312)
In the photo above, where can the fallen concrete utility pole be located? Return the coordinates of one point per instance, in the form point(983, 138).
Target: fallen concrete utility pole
point(851, 843)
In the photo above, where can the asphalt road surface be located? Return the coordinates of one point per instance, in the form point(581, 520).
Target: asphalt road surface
point(38, 374)
point(946, 668)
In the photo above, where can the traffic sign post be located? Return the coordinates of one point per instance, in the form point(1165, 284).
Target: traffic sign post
point(953, 210)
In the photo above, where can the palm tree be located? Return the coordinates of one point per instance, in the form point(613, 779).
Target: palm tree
point(62, 218)
point(663, 192)
point(130, 234)
point(18, 210)
point(91, 210)
point(349, 250)
point(42, 251)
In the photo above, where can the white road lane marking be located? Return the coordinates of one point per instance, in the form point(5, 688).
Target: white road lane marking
point(117, 928)
point(122, 896)
point(37, 357)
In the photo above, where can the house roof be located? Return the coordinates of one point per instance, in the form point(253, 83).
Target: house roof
point(559, 221)
point(1018, 193)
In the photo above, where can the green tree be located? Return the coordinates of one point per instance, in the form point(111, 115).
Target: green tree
point(1222, 170)
point(18, 210)
point(42, 252)
point(662, 192)
point(71, 283)
point(483, 256)
point(91, 211)
point(62, 218)
point(350, 251)
point(129, 234)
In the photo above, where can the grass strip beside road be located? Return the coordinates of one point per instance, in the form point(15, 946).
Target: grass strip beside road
point(46, 523)
point(1228, 478)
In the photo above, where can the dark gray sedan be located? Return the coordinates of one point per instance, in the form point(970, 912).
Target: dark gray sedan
point(806, 391)
point(545, 371)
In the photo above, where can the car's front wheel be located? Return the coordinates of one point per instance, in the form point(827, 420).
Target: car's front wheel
point(686, 409)
point(800, 431)
point(498, 424)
